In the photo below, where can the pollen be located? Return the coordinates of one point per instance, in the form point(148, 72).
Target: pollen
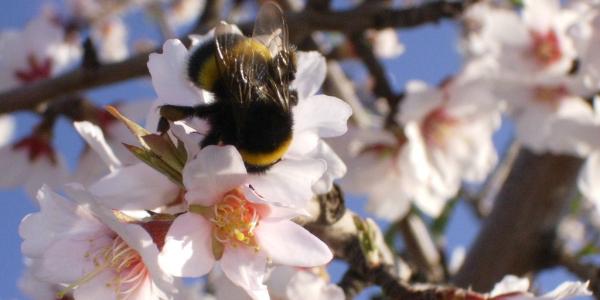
point(235, 220)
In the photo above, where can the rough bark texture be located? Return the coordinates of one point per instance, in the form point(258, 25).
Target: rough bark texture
point(517, 236)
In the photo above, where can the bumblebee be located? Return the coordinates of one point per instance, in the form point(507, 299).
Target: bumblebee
point(250, 79)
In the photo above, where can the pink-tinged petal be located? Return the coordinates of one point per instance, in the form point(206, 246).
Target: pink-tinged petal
point(57, 216)
point(93, 135)
point(325, 115)
point(216, 170)
point(168, 71)
point(310, 74)
point(135, 187)
point(289, 182)
point(100, 287)
point(246, 268)
point(188, 247)
point(288, 243)
point(74, 253)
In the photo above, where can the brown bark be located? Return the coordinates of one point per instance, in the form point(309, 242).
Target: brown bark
point(518, 235)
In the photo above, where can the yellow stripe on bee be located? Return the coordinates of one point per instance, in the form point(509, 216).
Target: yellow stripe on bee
point(249, 47)
point(266, 159)
point(208, 74)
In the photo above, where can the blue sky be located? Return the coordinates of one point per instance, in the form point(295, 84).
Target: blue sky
point(430, 55)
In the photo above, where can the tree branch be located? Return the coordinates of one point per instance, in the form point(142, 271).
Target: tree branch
point(517, 234)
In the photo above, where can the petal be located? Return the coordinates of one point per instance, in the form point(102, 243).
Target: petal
point(93, 135)
point(54, 261)
point(216, 170)
point(335, 167)
point(135, 187)
point(100, 287)
point(289, 182)
point(168, 71)
point(188, 247)
point(310, 74)
point(7, 126)
point(247, 269)
point(325, 115)
point(288, 243)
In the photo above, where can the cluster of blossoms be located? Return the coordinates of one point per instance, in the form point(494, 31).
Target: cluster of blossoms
point(535, 66)
point(181, 210)
point(148, 209)
point(49, 45)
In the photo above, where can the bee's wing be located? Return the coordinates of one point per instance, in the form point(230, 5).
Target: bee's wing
point(271, 30)
point(233, 67)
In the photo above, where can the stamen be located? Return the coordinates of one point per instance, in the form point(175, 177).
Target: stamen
point(235, 219)
point(119, 258)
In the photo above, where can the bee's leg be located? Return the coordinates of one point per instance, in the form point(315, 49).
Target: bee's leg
point(212, 138)
point(176, 112)
point(163, 125)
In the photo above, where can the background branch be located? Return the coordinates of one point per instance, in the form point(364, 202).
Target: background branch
point(517, 235)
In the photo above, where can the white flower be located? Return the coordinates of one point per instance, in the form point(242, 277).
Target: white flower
point(88, 250)
point(374, 157)
point(315, 117)
point(110, 40)
point(229, 222)
point(514, 288)
point(39, 51)
point(537, 43)
point(182, 12)
point(386, 44)
point(550, 116)
point(32, 162)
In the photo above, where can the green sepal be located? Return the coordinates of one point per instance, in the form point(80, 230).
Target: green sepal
point(154, 161)
point(164, 149)
point(135, 128)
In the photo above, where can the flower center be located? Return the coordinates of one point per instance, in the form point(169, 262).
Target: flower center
point(235, 219)
point(35, 70)
point(437, 126)
point(545, 48)
point(123, 261)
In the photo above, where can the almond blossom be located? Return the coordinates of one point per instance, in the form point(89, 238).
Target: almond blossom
point(447, 139)
point(33, 162)
point(228, 221)
point(110, 40)
point(109, 256)
point(39, 51)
